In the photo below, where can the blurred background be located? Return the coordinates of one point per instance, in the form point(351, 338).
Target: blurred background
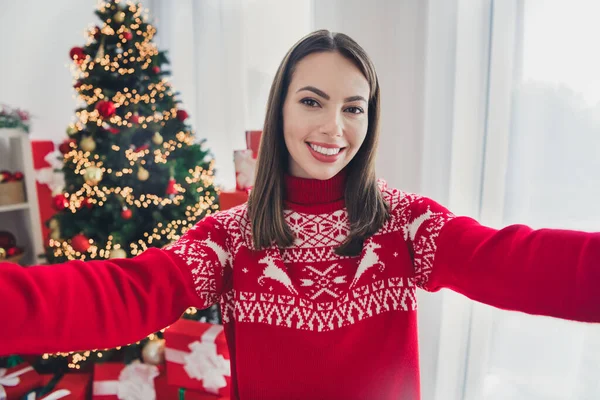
point(490, 107)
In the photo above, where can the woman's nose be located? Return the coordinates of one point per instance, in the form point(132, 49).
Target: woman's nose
point(332, 125)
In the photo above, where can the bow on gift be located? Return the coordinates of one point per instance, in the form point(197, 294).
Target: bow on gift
point(10, 380)
point(49, 176)
point(136, 382)
point(204, 363)
point(245, 167)
point(59, 394)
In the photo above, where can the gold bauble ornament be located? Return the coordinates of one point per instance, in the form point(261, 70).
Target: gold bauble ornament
point(53, 224)
point(2, 254)
point(143, 174)
point(154, 352)
point(157, 139)
point(71, 130)
point(117, 253)
point(55, 234)
point(87, 144)
point(92, 176)
point(120, 17)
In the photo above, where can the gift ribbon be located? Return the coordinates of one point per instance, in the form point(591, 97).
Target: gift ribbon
point(203, 363)
point(11, 379)
point(136, 382)
point(59, 394)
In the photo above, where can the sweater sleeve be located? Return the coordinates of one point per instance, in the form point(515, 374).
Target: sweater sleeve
point(78, 305)
point(548, 272)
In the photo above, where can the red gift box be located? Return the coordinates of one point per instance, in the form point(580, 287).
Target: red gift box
point(69, 387)
point(131, 381)
point(164, 391)
point(42, 151)
point(15, 382)
point(230, 199)
point(253, 141)
point(197, 357)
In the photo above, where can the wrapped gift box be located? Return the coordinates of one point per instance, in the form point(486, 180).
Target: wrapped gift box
point(15, 382)
point(230, 199)
point(253, 141)
point(133, 381)
point(164, 391)
point(197, 357)
point(245, 167)
point(70, 387)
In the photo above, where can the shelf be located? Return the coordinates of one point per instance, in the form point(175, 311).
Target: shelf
point(11, 133)
point(14, 207)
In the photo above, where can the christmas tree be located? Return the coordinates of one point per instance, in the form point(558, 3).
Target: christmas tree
point(134, 175)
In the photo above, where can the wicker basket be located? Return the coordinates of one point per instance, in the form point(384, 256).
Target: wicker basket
point(12, 193)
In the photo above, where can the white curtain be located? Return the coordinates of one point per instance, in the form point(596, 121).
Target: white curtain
point(224, 54)
point(540, 168)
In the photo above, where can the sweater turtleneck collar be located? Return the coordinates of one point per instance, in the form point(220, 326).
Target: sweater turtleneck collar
point(315, 196)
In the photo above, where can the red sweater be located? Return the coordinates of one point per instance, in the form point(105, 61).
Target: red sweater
point(302, 322)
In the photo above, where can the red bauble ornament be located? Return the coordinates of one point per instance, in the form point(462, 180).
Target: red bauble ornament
point(156, 69)
point(97, 32)
point(60, 202)
point(80, 243)
point(127, 35)
point(65, 146)
point(17, 176)
point(141, 148)
point(86, 202)
point(126, 213)
point(171, 189)
point(106, 108)
point(13, 251)
point(77, 54)
point(113, 130)
point(5, 176)
point(135, 119)
point(182, 115)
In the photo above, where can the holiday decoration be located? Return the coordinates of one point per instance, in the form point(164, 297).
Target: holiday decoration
point(71, 130)
point(80, 243)
point(116, 193)
point(197, 357)
point(157, 139)
point(171, 187)
point(2, 253)
point(117, 253)
point(13, 118)
point(66, 146)
point(134, 381)
point(120, 17)
point(106, 109)
point(253, 142)
point(60, 202)
point(17, 176)
point(69, 387)
point(126, 213)
point(15, 382)
point(245, 166)
point(143, 174)
point(93, 176)
point(87, 144)
point(154, 352)
point(182, 115)
point(77, 54)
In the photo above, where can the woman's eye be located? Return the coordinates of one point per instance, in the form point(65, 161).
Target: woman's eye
point(309, 102)
point(355, 110)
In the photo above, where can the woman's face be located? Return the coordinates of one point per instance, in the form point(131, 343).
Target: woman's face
point(324, 115)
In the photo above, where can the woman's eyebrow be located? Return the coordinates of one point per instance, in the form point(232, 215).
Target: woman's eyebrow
point(324, 95)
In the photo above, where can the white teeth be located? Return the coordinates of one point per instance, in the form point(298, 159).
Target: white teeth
point(325, 151)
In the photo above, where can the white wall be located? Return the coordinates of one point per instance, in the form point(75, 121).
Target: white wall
point(34, 53)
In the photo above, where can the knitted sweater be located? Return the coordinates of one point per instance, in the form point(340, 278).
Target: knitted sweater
point(302, 322)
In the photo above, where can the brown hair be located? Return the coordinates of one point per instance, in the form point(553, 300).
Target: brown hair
point(367, 210)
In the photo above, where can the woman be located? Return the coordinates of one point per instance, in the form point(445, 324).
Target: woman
point(316, 275)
